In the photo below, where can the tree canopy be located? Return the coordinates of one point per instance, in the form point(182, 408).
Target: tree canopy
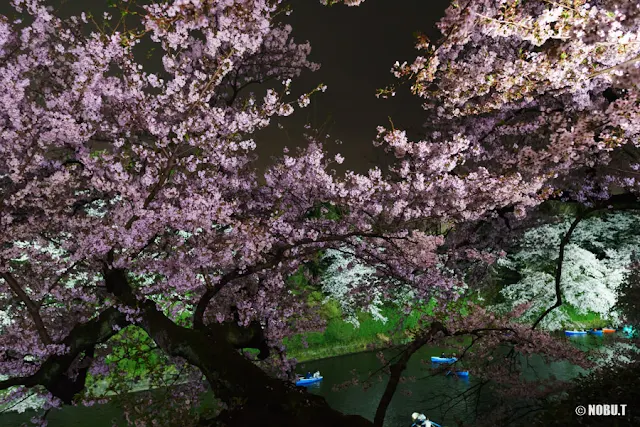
point(129, 197)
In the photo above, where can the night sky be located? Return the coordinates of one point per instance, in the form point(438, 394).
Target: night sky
point(357, 47)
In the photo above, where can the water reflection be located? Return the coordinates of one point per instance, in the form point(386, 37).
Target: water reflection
point(427, 389)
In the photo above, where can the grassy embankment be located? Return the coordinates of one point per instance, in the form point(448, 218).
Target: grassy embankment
point(342, 337)
point(589, 320)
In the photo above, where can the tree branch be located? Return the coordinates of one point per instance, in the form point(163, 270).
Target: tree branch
point(397, 369)
point(558, 277)
point(277, 257)
point(614, 203)
point(232, 377)
point(32, 307)
point(52, 374)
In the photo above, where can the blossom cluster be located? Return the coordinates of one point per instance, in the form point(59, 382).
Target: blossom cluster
point(595, 264)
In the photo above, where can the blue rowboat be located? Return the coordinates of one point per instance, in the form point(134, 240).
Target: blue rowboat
point(308, 381)
point(575, 333)
point(443, 359)
point(595, 332)
point(459, 373)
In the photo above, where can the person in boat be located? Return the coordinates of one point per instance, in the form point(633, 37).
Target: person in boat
point(316, 374)
point(443, 355)
point(419, 420)
point(308, 375)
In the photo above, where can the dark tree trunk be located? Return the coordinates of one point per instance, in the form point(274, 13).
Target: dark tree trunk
point(398, 368)
point(264, 401)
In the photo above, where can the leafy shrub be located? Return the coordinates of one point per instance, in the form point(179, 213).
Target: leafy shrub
point(339, 331)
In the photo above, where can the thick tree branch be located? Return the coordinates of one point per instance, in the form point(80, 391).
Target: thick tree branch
point(32, 307)
point(53, 373)
point(232, 377)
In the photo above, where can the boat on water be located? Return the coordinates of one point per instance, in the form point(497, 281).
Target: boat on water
point(464, 374)
point(608, 330)
point(575, 333)
point(435, 359)
point(304, 381)
point(308, 381)
point(596, 331)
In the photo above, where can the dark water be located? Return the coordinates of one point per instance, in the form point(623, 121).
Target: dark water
point(442, 398)
point(430, 394)
point(427, 391)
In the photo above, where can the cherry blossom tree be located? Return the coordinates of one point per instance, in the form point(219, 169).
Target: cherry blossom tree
point(359, 286)
point(525, 101)
point(595, 265)
point(125, 193)
point(128, 198)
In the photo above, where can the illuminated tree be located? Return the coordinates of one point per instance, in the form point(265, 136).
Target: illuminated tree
point(595, 264)
point(130, 198)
